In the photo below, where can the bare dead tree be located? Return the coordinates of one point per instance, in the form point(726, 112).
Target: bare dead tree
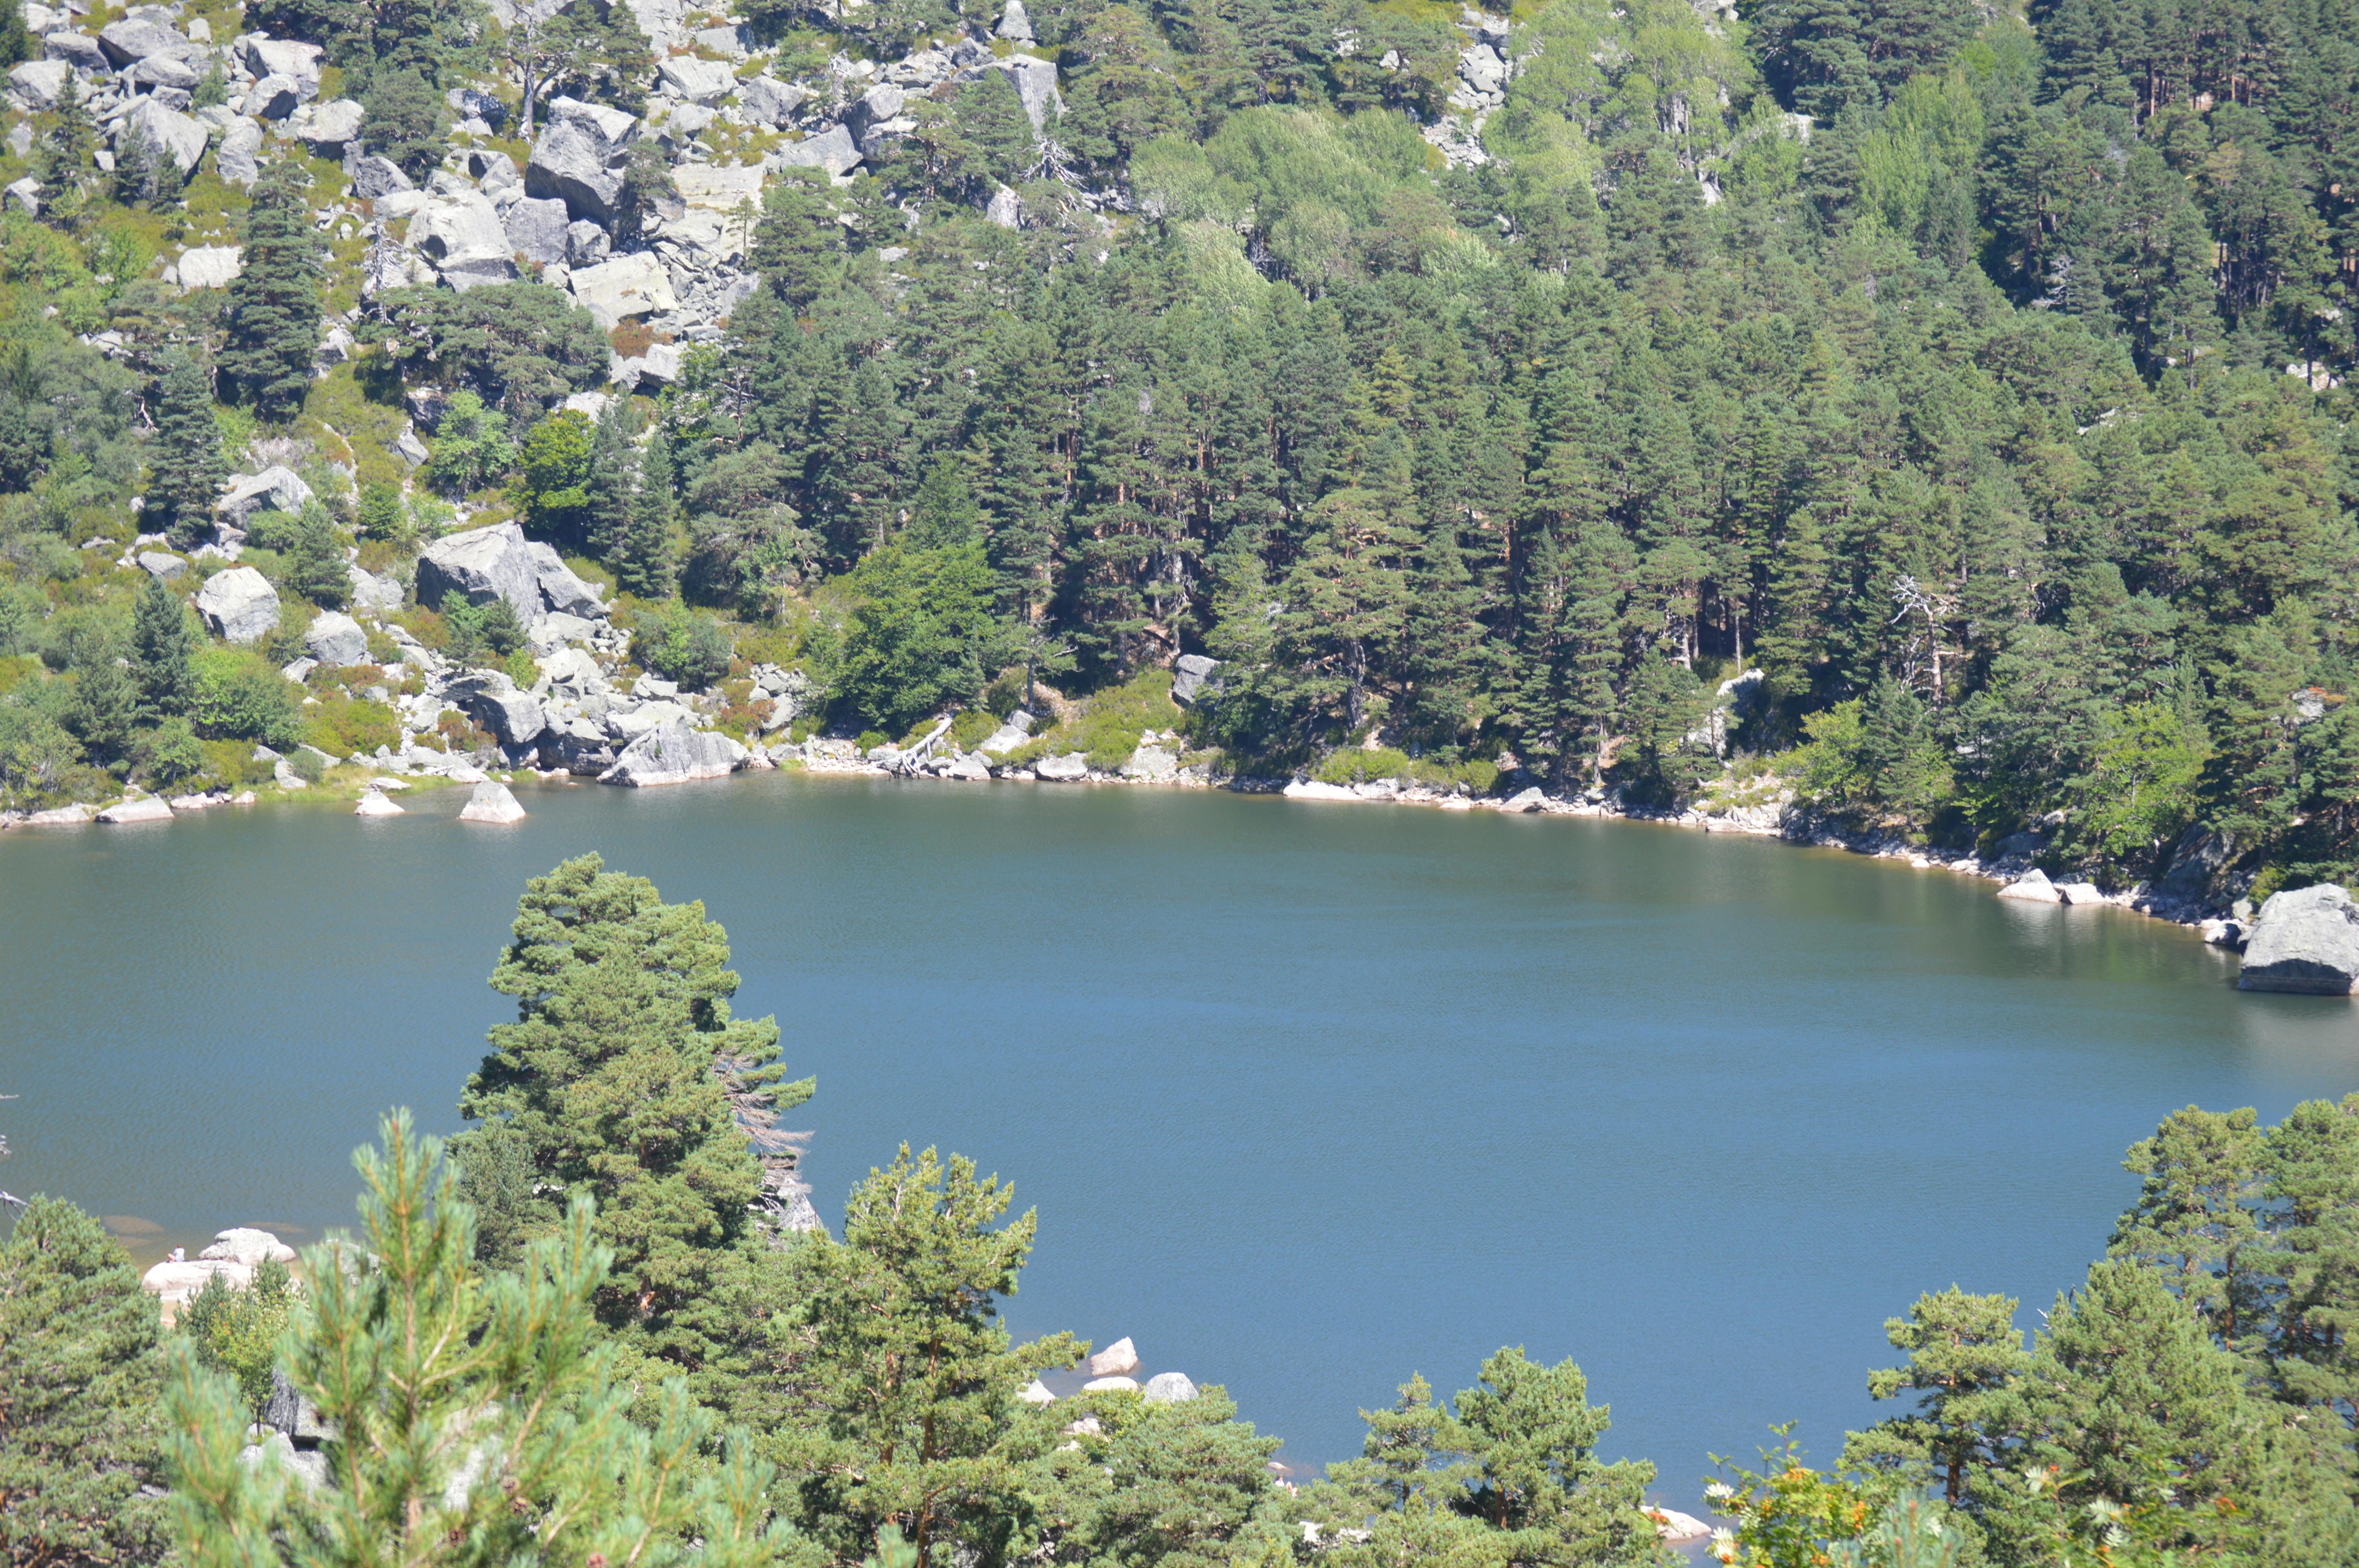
point(784, 1204)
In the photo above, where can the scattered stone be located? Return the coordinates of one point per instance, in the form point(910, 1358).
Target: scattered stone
point(372, 592)
point(275, 97)
point(561, 590)
point(131, 40)
point(491, 803)
point(72, 815)
point(536, 227)
point(972, 769)
point(1004, 210)
point(2306, 942)
point(239, 157)
point(176, 134)
point(2033, 887)
point(1169, 1388)
point(1673, 1525)
point(147, 808)
point(1035, 86)
point(239, 604)
point(78, 50)
point(310, 1467)
point(1311, 789)
point(768, 101)
point(286, 777)
point(1115, 1360)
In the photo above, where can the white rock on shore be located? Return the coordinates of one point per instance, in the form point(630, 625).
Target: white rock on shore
point(174, 1283)
point(491, 803)
point(2306, 942)
point(1116, 1361)
point(2032, 887)
point(373, 803)
point(147, 808)
point(1111, 1386)
point(244, 1244)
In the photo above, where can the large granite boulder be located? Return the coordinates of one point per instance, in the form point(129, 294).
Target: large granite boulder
point(480, 566)
point(131, 40)
point(78, 50)
point(536, 229)
point(336, 640)
point(514, 715)
point(244, 1244)
point(832, 149)
point(491, 803)
point(147, 808)
point(616, 129)
point(329, 129)
point(289, 57)
point(275, 488)
point(770, 101)
point(1035, 86)
point(1169, 1388)
point(2032, 887)
point(697, 80)
point(2306, 941)
point(36, 85)
point(178, 136)
point(459, 223)
point(615, 291)
point(674, 753)
point(568, 164)
point(373, 177)
point(237, 159)
point(1192, 676)
point(1067, 769)
point(1116, 1361)
point(564, 593)
point(211, 266)
point(238, 604)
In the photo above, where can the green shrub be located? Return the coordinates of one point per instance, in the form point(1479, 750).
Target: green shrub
point(1109, 724)
point(173, 753)
point(241, 698)
point(870, 739)
point(232, 765)
point(306, 767)
point(972, 727)
point(350, 726)
point(683, 646)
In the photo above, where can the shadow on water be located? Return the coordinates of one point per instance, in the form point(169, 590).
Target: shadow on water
point(1309, 1095)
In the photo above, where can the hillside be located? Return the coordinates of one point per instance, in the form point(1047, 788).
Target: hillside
point(1483, 395)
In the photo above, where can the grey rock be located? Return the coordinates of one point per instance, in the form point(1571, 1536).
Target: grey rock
point(156, 563)
point(37, 85)
point(563, 592)
point(181, 138)
point(1013, 24)
point(675, 753)
point(210, 266)
point(1036, 85)
point(1169, 1388)
point(276, 487)
point(586, 244)
point(1006, 209)
point(77, 50)
point(372, 592)
point(333, 126)
point(373, 177)
point(1151, 764)
point(832, 149)
point(273, 98)
point(409, 449)
point(771, 103)
point(1116, 1361)
point(473, 103)
point(535, 229)
point(514, 716)
point(491, 803)
point(697, 80)
point(336, 639)
point(568, 164)
point(133, 40)
point(290, 1412)
point(2032, 887)
point(147, 808)
point(2306, 942)
point(238, 155)
point(622, 287)
point(310, 1469)
point(1193, 678)
point(281, 57)
point(480, 566)
point(24, 196)
point(459, 224)
point(1067, 769)
point(475, 269)
point(615, 129)
point(879, 104)
point(239, 604)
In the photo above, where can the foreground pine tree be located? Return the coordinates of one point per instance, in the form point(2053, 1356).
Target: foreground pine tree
point(274, 301)
point(78, 1376)
point(165, 642)
point(478, 1421)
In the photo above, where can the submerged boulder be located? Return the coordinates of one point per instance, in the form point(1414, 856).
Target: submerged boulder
point(491, 803)
point(2306, 942)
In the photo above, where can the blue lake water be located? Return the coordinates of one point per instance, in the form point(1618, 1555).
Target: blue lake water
point(1309, 1096)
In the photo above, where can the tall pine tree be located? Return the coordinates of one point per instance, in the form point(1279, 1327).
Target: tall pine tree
point(274, 301)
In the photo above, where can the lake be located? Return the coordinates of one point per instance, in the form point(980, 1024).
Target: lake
point(1309, 1095)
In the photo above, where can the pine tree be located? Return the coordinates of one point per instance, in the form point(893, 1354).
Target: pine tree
point(274, 302)
point(315, 566)
point(68, 158)
point(614, 479)
point(1965, 1353)
point(645, 565)
point(912, 1378)
point(138, 177)
point(186, 459)
point(2196, 1220)
point(165, 642)
point(79, 1372)
point(404, 122)
point(105, 704)
point(611, 1081)
point(2313, 1186)
point(415, 1344)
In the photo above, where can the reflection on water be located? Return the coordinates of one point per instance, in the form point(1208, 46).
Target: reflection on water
point(1309, 1095)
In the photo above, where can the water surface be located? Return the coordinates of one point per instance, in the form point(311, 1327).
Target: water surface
point(1309, 1095)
